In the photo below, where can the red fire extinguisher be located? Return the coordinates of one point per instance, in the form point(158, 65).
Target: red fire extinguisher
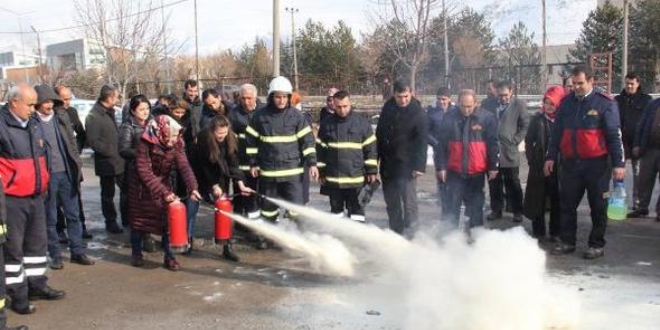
point(178, 225)
point(223, 223)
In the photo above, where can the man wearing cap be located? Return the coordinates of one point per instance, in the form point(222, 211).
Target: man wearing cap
point(24, 171)
point(279, 145)
point(65, 168)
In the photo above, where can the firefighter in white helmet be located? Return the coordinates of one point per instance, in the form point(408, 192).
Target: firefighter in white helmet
point(279, 144)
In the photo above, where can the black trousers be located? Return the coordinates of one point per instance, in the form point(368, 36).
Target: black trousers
point(346, 199)
point(291, 191)
point(468, 191)
point(576, 176)
point(26, 246)
point(401, 201)
point(3, 292)
point(506, 178)
point(552, 197)
point(108, 195)
point(247, 205)
point(649, 169)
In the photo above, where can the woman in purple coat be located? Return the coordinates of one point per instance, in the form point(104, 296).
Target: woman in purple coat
point(160, 149)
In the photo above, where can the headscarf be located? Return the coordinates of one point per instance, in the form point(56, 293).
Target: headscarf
point(163, 130)
point(554, 94)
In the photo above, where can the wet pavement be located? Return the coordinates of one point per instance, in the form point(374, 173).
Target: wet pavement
point(274, 290)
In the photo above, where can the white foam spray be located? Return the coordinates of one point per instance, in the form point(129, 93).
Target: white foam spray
point(326, 254)
point(497, 282)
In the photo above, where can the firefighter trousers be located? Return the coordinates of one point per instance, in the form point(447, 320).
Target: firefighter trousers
point(290, 191)
point(26, 246)
point(3, 291)
point(468, 191)
point(347, 199)
point(247, 205)
point(592, 175)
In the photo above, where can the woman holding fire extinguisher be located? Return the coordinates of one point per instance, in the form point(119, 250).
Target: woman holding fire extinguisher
point(160, 149)
point(216, 163)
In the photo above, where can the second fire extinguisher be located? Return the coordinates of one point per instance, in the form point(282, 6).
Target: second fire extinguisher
point(223, 223)
point(177, 224)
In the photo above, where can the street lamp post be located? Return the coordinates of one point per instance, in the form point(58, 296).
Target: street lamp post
point(293, 11)
point(39, 72)
point(276, 38)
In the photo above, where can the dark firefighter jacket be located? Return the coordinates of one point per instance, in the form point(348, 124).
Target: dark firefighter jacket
point(402, 135)
point(347, 151)
point(23, 162)
point(468, 145)
point(240, 119)
point(586, 129)
point(278, 141)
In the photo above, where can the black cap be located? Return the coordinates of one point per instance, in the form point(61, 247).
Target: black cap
point(46, 93)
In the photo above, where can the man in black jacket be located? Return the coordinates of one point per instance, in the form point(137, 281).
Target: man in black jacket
point(402, 136)
point(81, 139)
point(632, 102)
point(102, 134)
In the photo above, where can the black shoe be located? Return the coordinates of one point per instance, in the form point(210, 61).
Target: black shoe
point(149, 245)
point(56, 264)
point(562, 248)
point(87, 235)
point(494, 216)
point(18, 327)
point(113, 228)
point(657, 218)
point(229, 254)
point(593, 253)
point(81, 259)
point(638, 214)
point(189, 248)
point(137, 261)
point(28, 309)
point(62, 237)
point(46, 293)
point(262, 244)
point(517, 217)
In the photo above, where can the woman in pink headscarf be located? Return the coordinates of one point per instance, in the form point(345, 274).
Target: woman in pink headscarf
point(160, 150)
point(541, 189)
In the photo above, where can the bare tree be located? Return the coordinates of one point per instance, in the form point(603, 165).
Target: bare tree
point(130, 33)
point(409, 22)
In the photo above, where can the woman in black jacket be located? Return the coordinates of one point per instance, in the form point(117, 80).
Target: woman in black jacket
point(215, 163)
point(130, 132)
point(541, 189)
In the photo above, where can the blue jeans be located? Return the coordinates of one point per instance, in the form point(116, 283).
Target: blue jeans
point(192, 207)
point(61, 187)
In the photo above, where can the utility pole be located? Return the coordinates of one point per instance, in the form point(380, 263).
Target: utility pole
point(624, 60)
point(276, 38)
point(39, 72)
point(196, 49)
point(544, 49)
point(293, 11)
point(166, 61)
point(444, 22)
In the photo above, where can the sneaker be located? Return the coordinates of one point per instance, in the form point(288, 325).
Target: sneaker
point(517, 217)
point(593, 253)
point(562, 248)
point(638, 214)
point(137, 261)
point(113, 228)
point(171, 264)
point(494, 216)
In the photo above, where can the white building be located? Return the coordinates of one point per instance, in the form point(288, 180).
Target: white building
point(75, 55)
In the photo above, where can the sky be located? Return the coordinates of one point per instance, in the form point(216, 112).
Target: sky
point(230, 24)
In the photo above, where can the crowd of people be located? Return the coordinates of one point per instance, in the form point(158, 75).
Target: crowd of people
point(194, 149)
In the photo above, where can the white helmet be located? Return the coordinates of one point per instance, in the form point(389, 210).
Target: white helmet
point(280, 84)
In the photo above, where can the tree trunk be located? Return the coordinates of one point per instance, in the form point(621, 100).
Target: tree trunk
point(413, 77)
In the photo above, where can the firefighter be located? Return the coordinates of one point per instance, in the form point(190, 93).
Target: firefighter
point(239, 118)
point(467, 149)
point(347, 153)
point(586, 132)
point(24, 172)
point(279, 145)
